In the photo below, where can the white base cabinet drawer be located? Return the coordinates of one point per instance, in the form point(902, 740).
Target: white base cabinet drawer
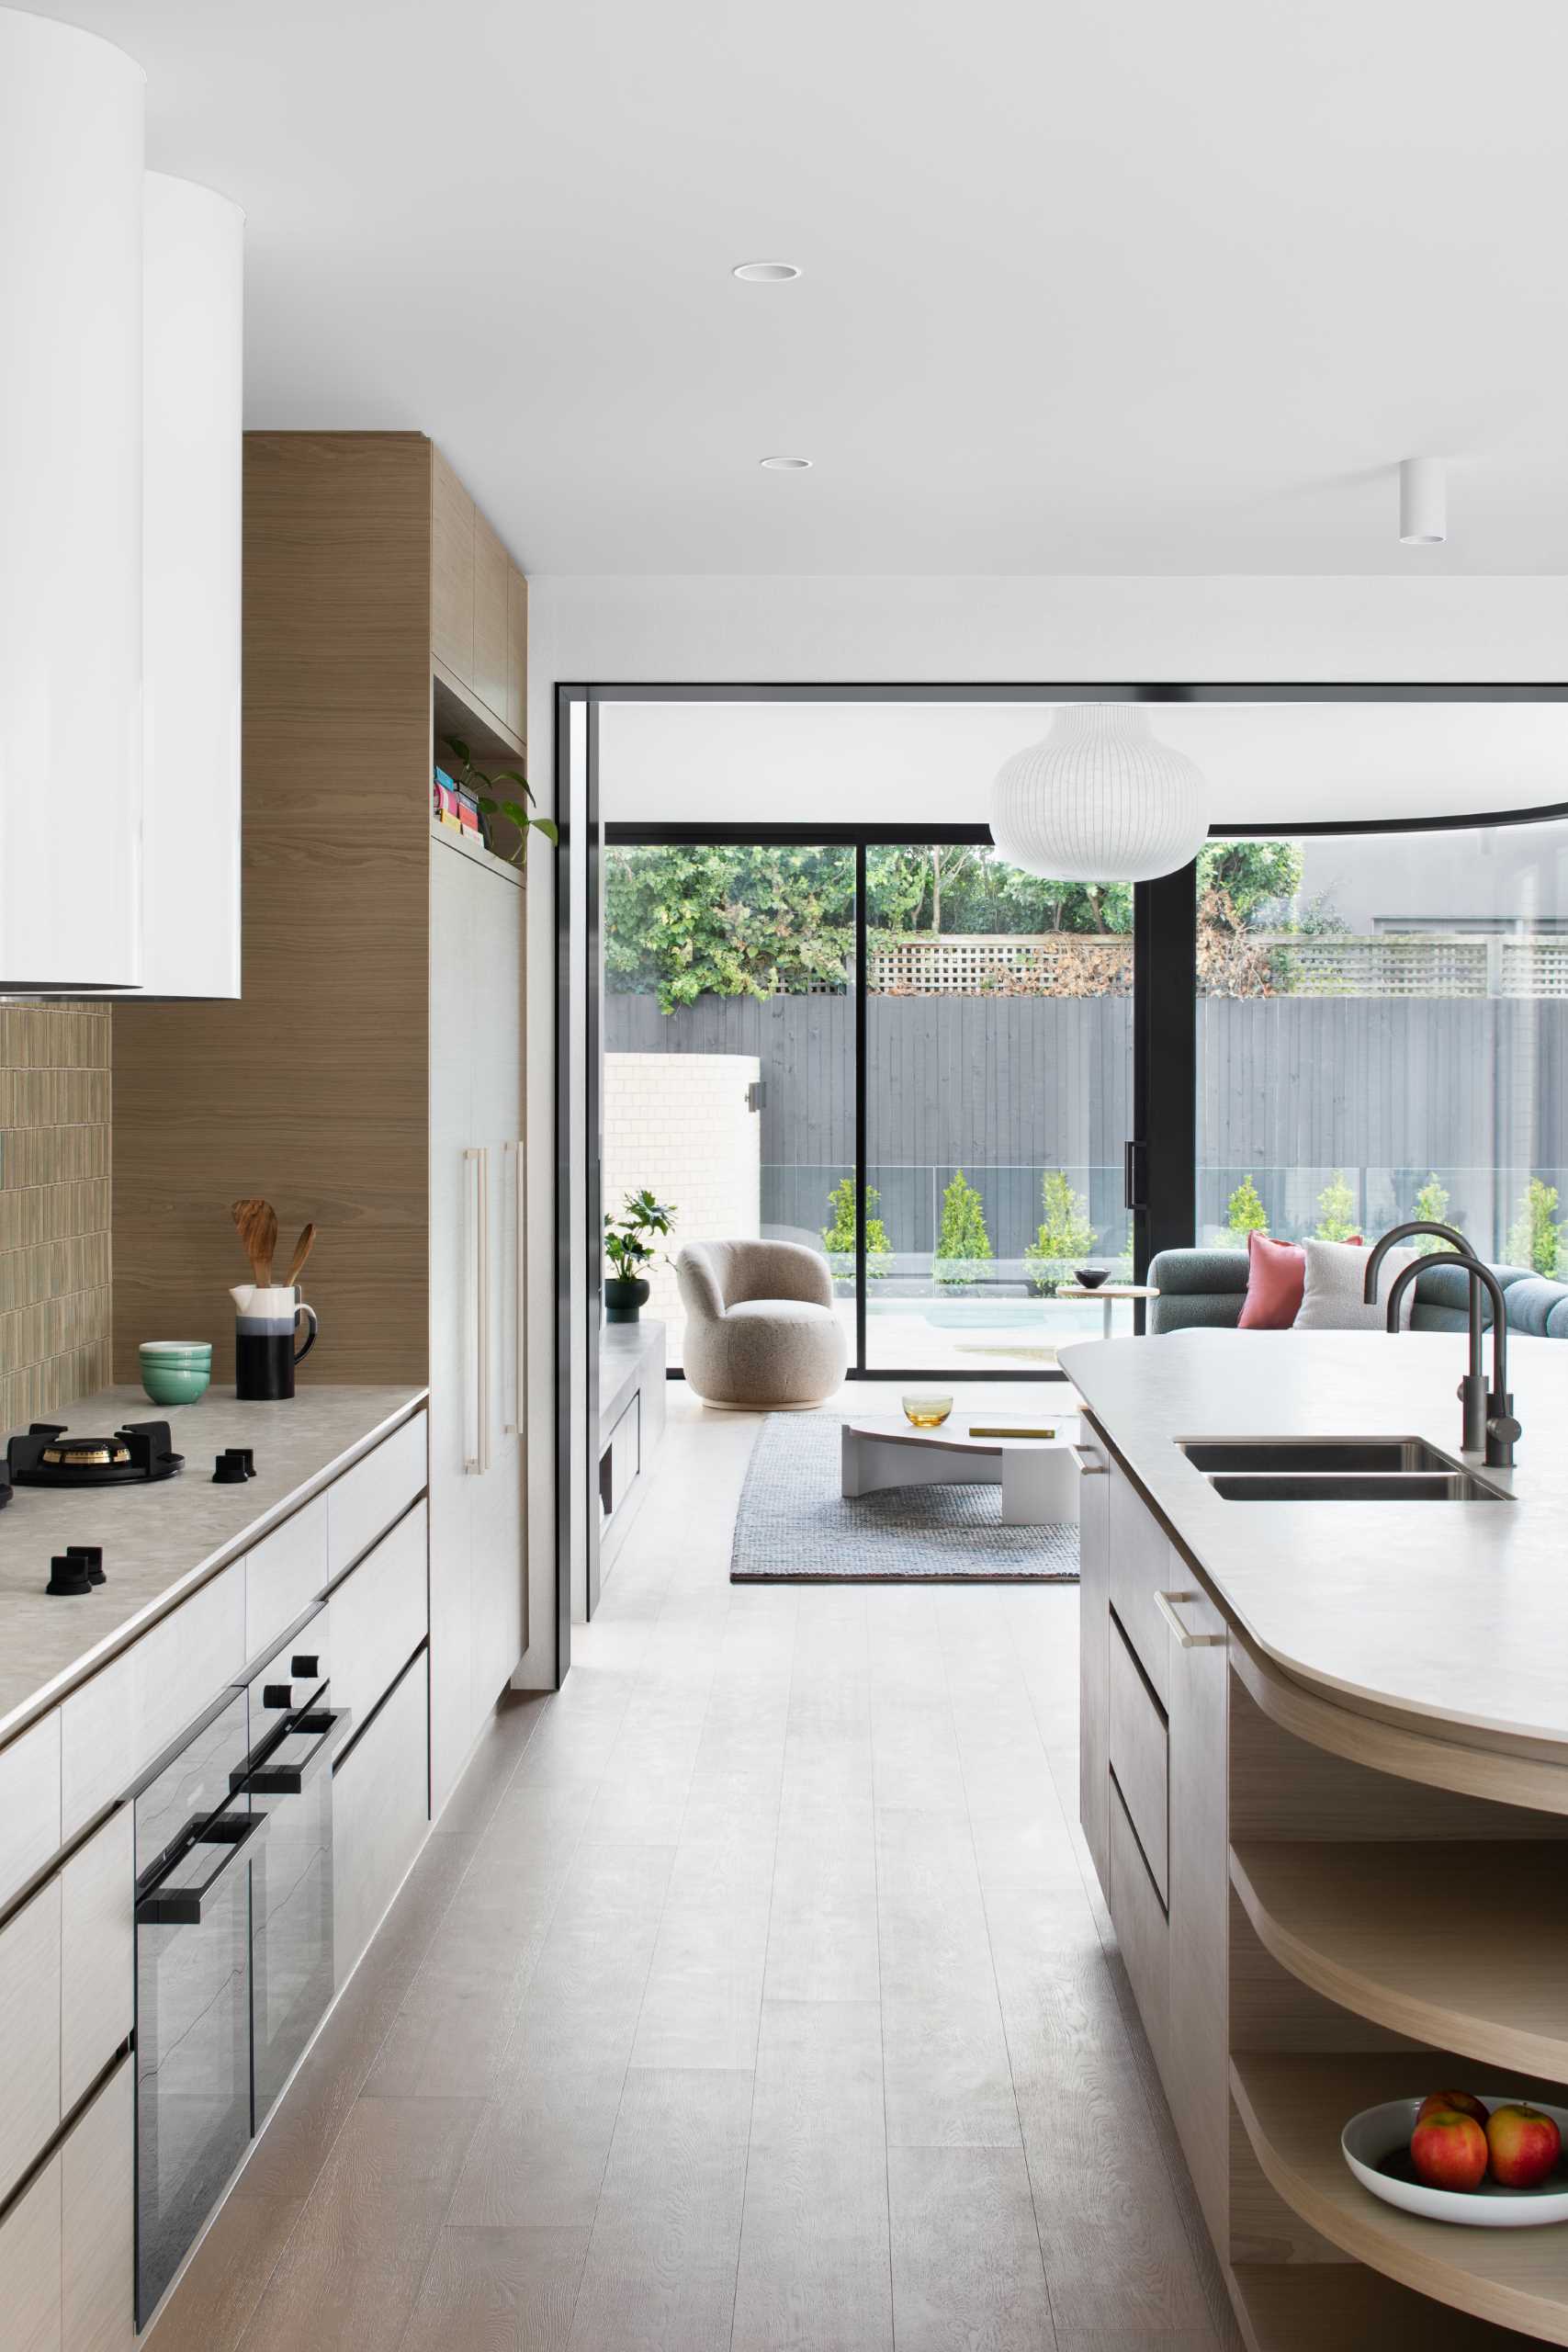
point(376, 1490)
point(97, 2230)
point(67, 2249)
point(30, 2033)
point(1139, 1753)
point(1142, 1931)
point(380, 1614)
point(30, 2267)
point(97, 1954)
point(116, 1724)
point(30, 1803)
point(1140, 1566)
point(380, 1812)
point(284, 1574)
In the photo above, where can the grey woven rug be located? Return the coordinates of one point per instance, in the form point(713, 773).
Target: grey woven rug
point(794, 1527)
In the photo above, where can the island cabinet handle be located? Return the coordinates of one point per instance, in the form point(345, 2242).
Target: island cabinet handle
point(1168, 1604)
point(1089, 1464)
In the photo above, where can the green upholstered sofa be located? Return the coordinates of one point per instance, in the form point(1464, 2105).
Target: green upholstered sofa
point(1203, 1289)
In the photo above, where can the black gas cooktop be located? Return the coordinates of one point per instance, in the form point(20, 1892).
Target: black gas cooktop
point(50, 1455)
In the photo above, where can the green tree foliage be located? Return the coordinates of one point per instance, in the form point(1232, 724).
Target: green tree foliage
point(1535, 1239)
point(1065, 1234)
point(1335, 1210)
point(839, 1238)
point(759, 919)
point(1253, 875)
point(1245, 1214)
point(1431, 1202)
point(963, 1246)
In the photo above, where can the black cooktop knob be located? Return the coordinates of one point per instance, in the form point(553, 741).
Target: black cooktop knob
point(248, 1457)
point(229, 1469)
point(68, 1576)
point(92, 1558)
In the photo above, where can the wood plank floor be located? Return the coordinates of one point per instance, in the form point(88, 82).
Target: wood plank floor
point(753, 1994)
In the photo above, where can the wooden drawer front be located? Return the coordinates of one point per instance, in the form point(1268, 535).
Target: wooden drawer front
point(30, 2267)
point(97, 1954)
point(29, 2034)
point(115, 1725)
point(284, 1573)
point(1139, 1561)
point(99, 2223)
point(380, 1614)
point(1139, 1750)
point(1142, 1929)
point(380, 1812)
point(362, 1503)
point(29, 1804)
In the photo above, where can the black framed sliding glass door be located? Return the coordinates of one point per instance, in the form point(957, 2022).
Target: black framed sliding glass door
point(903, 1053)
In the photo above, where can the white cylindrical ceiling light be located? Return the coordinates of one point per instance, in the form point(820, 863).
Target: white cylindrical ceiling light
point(1099, 801)
point(1423, 502)
point(193, 279)
point(71, 173)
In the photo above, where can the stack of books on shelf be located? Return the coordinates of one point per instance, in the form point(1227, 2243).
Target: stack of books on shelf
point(455, 810)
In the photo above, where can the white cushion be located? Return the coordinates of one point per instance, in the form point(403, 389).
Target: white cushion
point(1332, 1296)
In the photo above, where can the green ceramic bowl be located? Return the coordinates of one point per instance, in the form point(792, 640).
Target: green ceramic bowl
point(175, 1372)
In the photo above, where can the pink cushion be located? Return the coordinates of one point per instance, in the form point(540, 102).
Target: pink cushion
point(1276, 1276)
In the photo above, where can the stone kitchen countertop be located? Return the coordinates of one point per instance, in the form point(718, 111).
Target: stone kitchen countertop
point(1451, 1611)
point(161, 1540)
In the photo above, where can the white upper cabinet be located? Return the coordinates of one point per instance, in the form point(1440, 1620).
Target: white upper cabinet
point(120, 457)
point(71, 176)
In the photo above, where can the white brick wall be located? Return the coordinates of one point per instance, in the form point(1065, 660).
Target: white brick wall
point(679, 1125)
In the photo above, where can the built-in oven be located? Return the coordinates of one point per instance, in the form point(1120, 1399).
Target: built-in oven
point(233, 1936)
point(295, 1734)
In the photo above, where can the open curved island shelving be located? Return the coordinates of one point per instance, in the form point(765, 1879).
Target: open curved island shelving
point(1324, 1783)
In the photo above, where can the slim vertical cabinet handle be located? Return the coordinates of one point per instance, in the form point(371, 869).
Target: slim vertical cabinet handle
point(1168, 1603)
point(483, 1316)
point(471, 1228)
point(520, 1370)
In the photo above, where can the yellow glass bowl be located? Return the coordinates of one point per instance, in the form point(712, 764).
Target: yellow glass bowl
point(927, 1409)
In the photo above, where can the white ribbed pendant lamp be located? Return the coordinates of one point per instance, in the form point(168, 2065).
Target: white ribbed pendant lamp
point(1099, 801)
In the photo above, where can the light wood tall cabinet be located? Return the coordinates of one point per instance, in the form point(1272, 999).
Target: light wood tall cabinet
point(371, 1074)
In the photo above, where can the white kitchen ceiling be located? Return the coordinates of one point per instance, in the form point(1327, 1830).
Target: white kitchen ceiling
point(891, 762)
point(1141, 288)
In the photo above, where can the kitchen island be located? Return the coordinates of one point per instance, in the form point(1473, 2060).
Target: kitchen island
point(1324, 1780)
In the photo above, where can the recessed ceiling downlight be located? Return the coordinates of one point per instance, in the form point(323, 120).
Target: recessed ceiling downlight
point(785, 465)
point(765, 273)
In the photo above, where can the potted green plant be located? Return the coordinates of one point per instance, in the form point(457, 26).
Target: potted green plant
point(629, 1246)
point(484, 789)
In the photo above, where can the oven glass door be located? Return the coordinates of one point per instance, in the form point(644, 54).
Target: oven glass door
point(194, 1844)
point(295, 1731)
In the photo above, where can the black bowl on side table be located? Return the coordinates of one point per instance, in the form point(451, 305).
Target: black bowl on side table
point(1091, 1277)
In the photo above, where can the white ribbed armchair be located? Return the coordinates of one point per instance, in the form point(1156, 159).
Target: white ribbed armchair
point(762, 1331)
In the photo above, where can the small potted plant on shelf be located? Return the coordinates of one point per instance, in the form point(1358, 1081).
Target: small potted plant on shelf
point(483, 788)
point(629, 1247)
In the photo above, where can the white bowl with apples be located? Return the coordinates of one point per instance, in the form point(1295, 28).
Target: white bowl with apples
point(1488, 2161)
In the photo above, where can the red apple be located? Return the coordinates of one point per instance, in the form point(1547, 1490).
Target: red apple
point(1524, 2145)
point(1448, 2150)
point(1461, 2103)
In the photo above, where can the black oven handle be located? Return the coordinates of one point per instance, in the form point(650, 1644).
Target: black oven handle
point(330, 1725)
point(233, 1837)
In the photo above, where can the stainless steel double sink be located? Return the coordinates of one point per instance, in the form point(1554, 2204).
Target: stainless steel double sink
point(1335, 1470)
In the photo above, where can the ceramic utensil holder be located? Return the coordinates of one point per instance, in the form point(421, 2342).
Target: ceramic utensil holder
point(265, 1336)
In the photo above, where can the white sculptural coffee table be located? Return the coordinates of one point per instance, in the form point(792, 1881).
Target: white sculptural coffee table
point(1038, 1477)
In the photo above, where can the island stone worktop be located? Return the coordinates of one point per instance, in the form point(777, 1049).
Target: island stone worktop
point(1452, 1611)
point(161, 1540)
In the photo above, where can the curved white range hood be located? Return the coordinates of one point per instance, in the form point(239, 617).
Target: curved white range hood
point(71, 174)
